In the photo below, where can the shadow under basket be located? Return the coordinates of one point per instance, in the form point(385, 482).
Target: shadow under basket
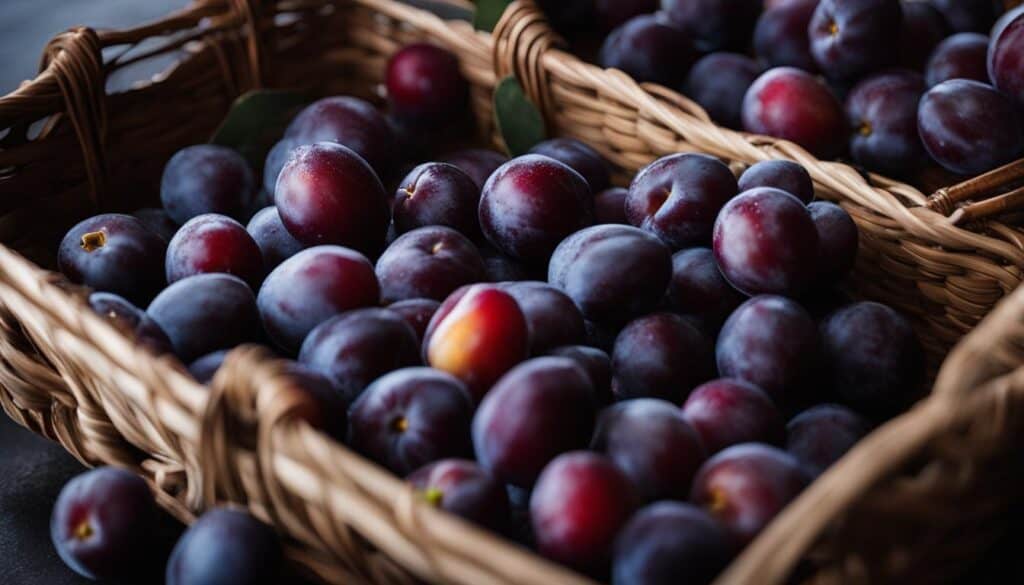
point(917, 500)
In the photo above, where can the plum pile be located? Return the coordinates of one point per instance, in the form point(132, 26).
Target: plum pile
point(633, 381)
point(880, 82)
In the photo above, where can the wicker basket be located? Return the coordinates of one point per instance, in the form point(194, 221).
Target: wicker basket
point(934, 478)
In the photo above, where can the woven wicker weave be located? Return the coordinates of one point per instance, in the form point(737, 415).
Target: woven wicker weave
point(934, 478)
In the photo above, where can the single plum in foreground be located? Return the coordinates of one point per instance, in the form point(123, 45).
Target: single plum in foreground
point(651, 442)
point(411, 417)
point(540, 409)
point(581, 502)
point(103, 522)
point(667, 543)
point(477, 334)
point(746, 486)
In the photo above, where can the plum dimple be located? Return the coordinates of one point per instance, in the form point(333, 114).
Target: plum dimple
point(677, 197)
point(412, 417)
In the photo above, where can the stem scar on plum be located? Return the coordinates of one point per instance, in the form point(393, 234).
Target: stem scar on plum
point(93, 241)
point(433, 496)
point(400, 424)
point(719, 501)
point(83, 531)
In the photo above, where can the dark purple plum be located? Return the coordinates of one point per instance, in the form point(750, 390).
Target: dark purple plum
point(531, 203)
point(349, 121)
point(882, 110)
point(969, 127)
point(206, 178)
point(651, 442)
point(417, 313)
point(114, 253)
point(131, 320)
point(874, 360)
point(428, 263)
point(838, 240)
point(698, 288)
point(477, 163)
point(425, 86)
point(437, 194)
point(746, 486)
point(327, 194)
point(203, 313)
point(922, 30)
point(538, 410)
point(718, 83)
point(715, 25)
point(610, 206)
point(226, 545)
point(311, 287)
point(771, 342)
point(465, 489)
point(1004, 62)
point(961, 56)
point(765, 242)
point(157, 221)
point(727, 412)
point(612, 272)
point(596, 363)
point(477, 334)
point(275, 242)
point(103, 522)
point(787, 175)
point(780, 37)
point(678, 196)
point(820, 435)
point(650, 49)
point(789, 103)
point(579, 157)
point(667, 543)
point(551, 316)
point(205, 368)
point(411, 417)
point(968, 15)
point(212, 243)
point(581, 502)
point(611, 13)
point(660, 356)
point(852, 38)
point(355, 348)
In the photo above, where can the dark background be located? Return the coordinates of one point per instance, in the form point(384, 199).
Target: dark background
point(32, 469)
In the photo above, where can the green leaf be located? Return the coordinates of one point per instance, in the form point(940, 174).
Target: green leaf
point(519, 121)
point(256, 120)
point(488, 13)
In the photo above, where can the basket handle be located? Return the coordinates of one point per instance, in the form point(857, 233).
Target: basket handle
point(988, 192)
point(74, 59)
point(521, 38)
